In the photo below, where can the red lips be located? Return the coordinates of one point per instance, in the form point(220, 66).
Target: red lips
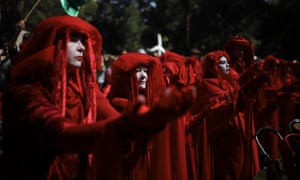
point(79, 58)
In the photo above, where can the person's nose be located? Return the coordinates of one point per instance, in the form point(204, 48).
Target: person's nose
point(81, 46)
point(143, 75)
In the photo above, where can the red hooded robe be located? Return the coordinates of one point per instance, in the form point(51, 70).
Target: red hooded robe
point(44, 93)
point(217, 132)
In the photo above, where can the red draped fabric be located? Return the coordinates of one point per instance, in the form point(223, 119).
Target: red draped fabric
point(218, 135)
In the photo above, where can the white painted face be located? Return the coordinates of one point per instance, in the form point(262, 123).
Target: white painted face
point(75, 51)
point(223, 66)
point(142, 76)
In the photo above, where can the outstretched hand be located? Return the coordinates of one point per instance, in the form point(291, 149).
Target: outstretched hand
point(174, 102)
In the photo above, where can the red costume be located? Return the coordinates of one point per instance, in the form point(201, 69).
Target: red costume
point(217, 130)
point(51, 107)
point(177, 70)
point(160, 155)
point(141, 153)
point(47, 94)
point(276, 108)
point(241, 54)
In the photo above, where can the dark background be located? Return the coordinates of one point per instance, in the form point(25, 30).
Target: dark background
point(271, 25)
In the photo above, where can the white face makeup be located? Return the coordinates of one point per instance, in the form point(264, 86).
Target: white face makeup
point(142, 76)
point(223, 66)
point(75, 51)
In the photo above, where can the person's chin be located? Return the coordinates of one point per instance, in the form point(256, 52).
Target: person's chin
point(76, 63)
point(142, 86)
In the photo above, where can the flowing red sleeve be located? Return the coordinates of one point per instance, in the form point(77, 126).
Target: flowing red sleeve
point(215, 99)
point(104, 109)
point(30, 113)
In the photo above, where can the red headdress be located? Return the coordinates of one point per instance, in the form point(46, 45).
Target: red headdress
point(210, 63)
point(124, 81)
point(270, 62)
point(180, 69)
point(194, 69)
point(43, 60)
point(248, 48)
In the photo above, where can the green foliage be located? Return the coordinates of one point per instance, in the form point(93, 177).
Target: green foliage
point(53, 8)
point(121, 24)
point(184, 24)
point(131, 27)
point(88, 10)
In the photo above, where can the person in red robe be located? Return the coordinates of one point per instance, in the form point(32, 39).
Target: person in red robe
point(275, 104)
point(56, 122)
point(217, 132)
point(178, 70)
point(250, 78)
point(136, 75)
